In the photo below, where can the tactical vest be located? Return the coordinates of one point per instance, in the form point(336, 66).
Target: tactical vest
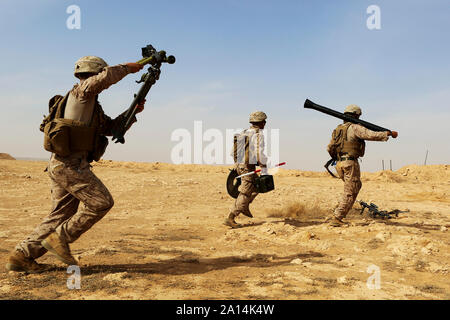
point(65, 136)
point(340, 145)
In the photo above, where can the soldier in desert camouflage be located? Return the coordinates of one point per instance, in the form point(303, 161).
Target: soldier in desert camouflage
point(349, 139)
point(71, 178)
point(253, 155)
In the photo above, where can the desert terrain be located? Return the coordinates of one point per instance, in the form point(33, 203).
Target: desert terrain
point(165, 238)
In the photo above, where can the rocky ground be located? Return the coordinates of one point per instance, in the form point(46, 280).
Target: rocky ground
point(164, 238)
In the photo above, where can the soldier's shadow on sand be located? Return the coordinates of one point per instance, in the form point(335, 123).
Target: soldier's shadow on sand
point(292, 222)
point(413, 225)
point(298, 223)
point(250, 224)
point(197, 265)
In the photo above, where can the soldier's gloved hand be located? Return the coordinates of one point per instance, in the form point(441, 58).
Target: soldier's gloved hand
point(140, 106)
point(393, 134)
point(134, 67)
point(264, 171)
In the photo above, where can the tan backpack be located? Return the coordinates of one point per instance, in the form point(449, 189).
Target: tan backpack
point(56, 137)
point(339, 143)
point(241, 146)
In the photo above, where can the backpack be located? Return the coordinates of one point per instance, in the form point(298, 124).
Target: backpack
point(56, 135)
point(241, 146)
point(56, 106)
point(337, 142)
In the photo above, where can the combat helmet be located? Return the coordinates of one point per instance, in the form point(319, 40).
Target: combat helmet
point(257, 116)
point(89, 64)
point(353, 108)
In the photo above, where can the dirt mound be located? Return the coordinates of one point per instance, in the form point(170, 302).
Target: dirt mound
point(439, 172)
point(411, 173)
point(5, 156)
point(384, 176)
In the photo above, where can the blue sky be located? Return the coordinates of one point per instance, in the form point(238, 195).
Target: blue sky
point(234, 57)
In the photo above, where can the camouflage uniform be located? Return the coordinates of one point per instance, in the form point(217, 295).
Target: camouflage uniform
point(71, 177)
point(247, 190)
point(348, 170)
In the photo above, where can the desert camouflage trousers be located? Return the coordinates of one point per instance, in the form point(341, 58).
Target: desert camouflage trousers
point(72, 181)
point(350, 173)
point(247, 190)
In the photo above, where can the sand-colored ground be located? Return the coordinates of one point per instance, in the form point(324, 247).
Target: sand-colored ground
point(164, 238)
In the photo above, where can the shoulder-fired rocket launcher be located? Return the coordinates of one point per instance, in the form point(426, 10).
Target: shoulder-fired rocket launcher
point(311, 105)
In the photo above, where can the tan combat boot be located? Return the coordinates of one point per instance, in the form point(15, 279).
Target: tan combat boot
point(60, 248)
point(230, 221)
point(19, 263)
point(336, 222)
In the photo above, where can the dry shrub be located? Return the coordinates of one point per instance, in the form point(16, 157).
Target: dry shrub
point(300, 210)
point(429, 288)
